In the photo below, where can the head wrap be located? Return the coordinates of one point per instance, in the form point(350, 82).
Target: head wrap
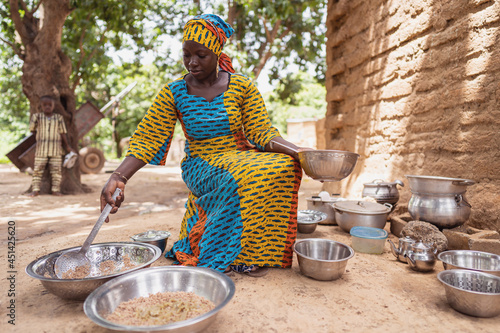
point(212, 32)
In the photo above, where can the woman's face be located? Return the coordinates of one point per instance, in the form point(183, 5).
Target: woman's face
point(200, 61)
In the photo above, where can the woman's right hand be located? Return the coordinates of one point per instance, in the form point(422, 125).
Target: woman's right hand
point(118, 179)
point(114, 182)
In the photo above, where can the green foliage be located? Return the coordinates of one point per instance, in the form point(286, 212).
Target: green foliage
point(14, 108)
point(96, 29)
point(299, 34)
point(307, 101)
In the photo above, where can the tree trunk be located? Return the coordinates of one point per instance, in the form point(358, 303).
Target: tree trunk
point(47, 70)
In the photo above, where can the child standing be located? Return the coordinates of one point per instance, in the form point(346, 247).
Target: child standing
point(50, 132)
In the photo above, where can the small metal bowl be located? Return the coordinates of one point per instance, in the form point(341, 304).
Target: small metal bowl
point(471, 260)
point(211, 284)
point(78, 289)
point(473, 293)
point(327, 165)
point(153, 237)
point(307, 220)
point(322, 259)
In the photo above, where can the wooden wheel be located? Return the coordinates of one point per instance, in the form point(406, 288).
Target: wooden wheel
point(91, 160)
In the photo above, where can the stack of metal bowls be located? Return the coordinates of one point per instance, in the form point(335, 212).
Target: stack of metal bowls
point(308, 220)
point(472, 281)
point(205, 282)
point(322, 259)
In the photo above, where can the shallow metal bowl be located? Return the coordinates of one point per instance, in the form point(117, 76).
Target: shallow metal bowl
point(471, 292)
point(471, 260)
point(328, 165)
point(208, 283)
point(154, 237)
point(307, 220)
point(78, 289)
point(322, 259)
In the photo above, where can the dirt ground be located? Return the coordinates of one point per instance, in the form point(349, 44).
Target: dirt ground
point(376, 294)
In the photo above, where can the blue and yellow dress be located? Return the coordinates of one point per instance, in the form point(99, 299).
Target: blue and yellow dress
point(242, 208)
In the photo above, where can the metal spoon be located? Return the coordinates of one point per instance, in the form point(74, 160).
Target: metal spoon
point(71, 260)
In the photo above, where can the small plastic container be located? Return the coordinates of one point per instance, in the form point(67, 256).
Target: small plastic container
point(368, 239)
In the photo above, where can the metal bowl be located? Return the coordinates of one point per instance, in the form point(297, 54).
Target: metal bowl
point(322, 259)
point(211, 284)
point(153, 237)
point(328, 165)
point(307, 220)
point(471, 260)
point(471, 292)
point(78, 289)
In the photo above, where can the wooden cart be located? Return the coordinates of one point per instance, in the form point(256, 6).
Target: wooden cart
point(91, 159)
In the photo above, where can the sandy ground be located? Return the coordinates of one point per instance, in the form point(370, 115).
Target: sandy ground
point(376, 294)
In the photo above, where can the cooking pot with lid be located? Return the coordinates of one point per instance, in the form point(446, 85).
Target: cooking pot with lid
point(382, 191)
point(352, 213)
point(323, 203)
point(439, 200)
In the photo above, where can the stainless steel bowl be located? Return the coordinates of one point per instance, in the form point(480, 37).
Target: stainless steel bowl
point(328, 165)
point(470, 292)
point(78, 289)
point(322, 259)
point(211, 284)
point(471, 260)
point(307, 220)
point(153, 237)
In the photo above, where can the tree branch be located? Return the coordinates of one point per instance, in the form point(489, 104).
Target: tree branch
point(265, 50)
point(17, 51)
point(37, 6)
point(78, 77)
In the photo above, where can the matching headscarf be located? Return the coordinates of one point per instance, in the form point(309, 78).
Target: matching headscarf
point(212, 32)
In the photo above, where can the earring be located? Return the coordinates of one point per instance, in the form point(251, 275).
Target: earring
point(217, 69)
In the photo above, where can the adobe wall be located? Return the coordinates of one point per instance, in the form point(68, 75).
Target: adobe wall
point(414, 88)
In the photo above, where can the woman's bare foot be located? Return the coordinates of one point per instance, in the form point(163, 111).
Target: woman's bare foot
point(33, 194)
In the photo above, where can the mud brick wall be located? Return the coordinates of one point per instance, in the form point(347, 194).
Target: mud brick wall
point(414, 88)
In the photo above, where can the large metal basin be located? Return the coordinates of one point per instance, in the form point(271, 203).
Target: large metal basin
point(78, 289)
point(208, 283)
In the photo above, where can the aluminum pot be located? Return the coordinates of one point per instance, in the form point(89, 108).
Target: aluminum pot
point(324, 205)
point(351, 213)
point(382, 191)
point(439, 200)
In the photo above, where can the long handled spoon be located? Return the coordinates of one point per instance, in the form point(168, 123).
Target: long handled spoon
point(71, 260)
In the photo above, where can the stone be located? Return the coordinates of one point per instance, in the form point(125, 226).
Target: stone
point(426, 232)
point(398, 222)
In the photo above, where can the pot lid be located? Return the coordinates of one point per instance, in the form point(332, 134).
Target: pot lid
point(324, 198)
point(368, 232)
point(151, 235)
point(380, 182)
point(359, 206)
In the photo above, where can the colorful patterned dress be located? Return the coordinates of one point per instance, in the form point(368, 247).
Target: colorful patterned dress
point(242, 208)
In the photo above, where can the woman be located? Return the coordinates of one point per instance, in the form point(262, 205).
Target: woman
point(241, 213)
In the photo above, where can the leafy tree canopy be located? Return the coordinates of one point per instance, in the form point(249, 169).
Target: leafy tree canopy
point(277, 33)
